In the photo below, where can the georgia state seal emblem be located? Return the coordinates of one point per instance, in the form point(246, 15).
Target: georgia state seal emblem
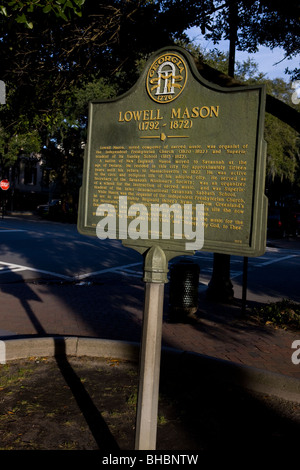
point(166, 78)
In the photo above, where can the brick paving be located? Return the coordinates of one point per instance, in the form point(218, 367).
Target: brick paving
point(113, 309)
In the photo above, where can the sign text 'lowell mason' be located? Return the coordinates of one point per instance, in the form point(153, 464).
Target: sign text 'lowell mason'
point(184, 150)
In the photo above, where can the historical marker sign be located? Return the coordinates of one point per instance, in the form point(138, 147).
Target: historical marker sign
point(173, 141)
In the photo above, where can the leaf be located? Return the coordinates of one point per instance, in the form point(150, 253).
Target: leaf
point(21, 19)
point(47, 8)
point(63, 16)
point(3, 10)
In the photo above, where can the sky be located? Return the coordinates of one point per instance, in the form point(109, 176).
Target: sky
point(265, 57)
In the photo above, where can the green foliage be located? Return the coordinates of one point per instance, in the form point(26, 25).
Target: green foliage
point(76, 108)
point(246, 71)
point(132, 399)
point(57, 55)
point(161, 420)
point(21, 11)
point(11, 146)
point(24, 144)
point(217, 59)
point(284, 314)
point(3, 137)
point(283, 144)
point(250, 22)
point(282, 150)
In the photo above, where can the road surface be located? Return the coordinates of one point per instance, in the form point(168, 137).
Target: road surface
point(33, 248)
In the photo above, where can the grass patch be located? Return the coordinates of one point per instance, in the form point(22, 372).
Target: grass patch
point(132, 399)
point(283, 314)
point(161, 420)
point(9, 378)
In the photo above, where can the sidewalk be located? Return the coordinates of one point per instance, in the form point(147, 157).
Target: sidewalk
point(112, 309)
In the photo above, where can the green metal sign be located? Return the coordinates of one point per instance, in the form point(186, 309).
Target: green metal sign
point(177, 158)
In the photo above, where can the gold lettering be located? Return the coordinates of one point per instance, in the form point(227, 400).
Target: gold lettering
point(186, 114)
point(146, 115)
point(175, 114)
point(137, 115)
point(140, 115)
point(204, 114)
point(214, 110)
point(128, 116)
point(195, 112)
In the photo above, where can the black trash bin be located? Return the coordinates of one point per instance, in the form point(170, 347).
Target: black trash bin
point(183, 293)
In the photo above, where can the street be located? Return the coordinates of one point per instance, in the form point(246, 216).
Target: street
point(33, 249)
point(54, 281)
point(37, 248)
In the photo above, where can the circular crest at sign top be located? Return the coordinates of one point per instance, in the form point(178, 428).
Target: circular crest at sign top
point(166, 77)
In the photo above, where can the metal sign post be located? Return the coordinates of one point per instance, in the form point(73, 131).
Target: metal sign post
point(155, 276)
point(2, 92)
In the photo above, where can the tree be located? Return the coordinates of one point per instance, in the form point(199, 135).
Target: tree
point(245, 23)
point(21, 12)
point(104, 39)
point(47, 50)
point(65, 145)
point(40, 65)
point(283, 150)
point(282, 139)
point(63, 45)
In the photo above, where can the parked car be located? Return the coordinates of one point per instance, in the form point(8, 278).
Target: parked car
point(58, 210)
point(46, 210)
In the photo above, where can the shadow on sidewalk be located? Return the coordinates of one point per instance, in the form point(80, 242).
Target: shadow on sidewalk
point(97, 425)
point(94, 420)
point(25, 294)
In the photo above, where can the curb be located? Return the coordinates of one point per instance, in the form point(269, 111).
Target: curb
point(15, 213)
point(22, 348)
point(173, 360)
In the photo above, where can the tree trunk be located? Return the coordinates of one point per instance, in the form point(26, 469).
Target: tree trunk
point(220, 287)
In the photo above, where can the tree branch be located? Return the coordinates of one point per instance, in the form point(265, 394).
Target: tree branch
point(276, 107)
